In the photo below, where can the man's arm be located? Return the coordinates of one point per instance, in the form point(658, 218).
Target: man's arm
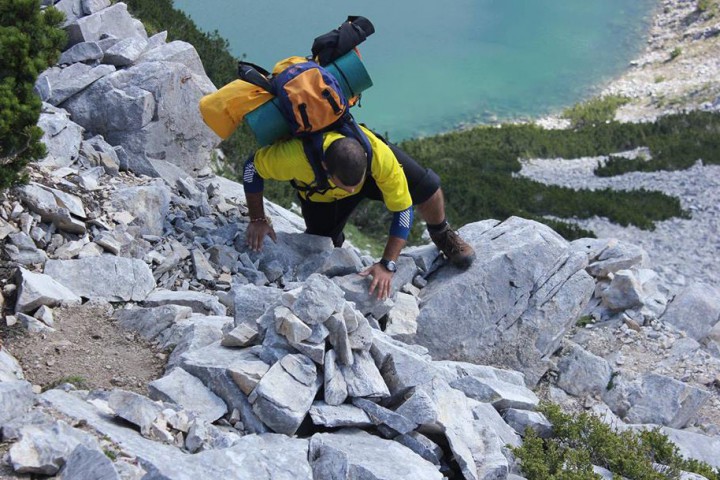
point(399, 231)
point(260, 224)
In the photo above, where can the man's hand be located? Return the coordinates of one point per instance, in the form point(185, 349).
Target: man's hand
point(256, 232)
point(381, 280)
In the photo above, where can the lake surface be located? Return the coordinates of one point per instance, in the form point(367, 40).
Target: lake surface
point(437, 66)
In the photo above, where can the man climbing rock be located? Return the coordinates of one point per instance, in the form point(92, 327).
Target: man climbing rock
point(390, 176)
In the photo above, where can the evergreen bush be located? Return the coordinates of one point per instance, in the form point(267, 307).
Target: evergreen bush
point(30, 41)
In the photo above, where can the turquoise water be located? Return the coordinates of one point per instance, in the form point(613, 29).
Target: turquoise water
point(437, 66)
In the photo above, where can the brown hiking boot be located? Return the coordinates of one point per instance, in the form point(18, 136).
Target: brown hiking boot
point(457, 250)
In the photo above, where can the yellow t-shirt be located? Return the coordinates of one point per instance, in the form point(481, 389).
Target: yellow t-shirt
point(286, 161)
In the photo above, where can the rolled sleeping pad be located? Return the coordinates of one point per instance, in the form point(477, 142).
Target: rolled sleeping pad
point(267, 121)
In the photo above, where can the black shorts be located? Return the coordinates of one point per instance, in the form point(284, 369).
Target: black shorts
point(329, 219)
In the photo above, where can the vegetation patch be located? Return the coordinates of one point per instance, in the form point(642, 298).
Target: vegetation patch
point(595, 111)
point(580, 441)
point(30, 41)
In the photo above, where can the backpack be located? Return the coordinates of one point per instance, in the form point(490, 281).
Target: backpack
point(301, 98)
point(312, 102)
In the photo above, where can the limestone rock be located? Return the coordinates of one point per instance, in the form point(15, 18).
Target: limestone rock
point(44, 450)
point(188, 392)
point(88, 463)
point(143, 108)
point(37, 289)
point(352, 453)
point(199, 302)
point(115, 21)
point(582, 373)
point(115, 279)
point(521, 420)
point(61, 136)
point(125, 52)
point(402, 317)
point(625, 292)
point(695, 310)
point(285, 393)
point(513, 305)
point(81, 52)
point(363, 378)
point(656, 399)
point(149, 204)
point(318, 300)
point(335, 386)
point(16, 397)
point(59, 84)
point(333, 416)
point(134, 408)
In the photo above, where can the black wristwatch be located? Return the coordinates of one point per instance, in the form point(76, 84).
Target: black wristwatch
point(389, 265)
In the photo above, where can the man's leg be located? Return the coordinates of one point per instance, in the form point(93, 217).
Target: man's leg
point(427, 195)
point(329, 219)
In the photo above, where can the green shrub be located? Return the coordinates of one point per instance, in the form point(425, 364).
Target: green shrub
point(676, 52)
point(594, 111)
point(580, 441)
point(30, 41)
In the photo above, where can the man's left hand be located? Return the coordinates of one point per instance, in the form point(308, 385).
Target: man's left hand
point(381, 280)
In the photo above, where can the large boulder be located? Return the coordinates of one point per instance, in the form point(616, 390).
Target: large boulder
point(150, 109)
point(62, 138)
point(512, 307)
point(115, 21)
point(115, 279)
point(695, 310)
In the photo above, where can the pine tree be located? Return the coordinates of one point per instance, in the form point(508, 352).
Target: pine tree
point(30, 41)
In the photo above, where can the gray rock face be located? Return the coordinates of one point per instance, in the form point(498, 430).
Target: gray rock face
point(10, 370)
point(521, 420)
point(43, 450)
point(115, 21)
point(695, 445)
point(284, 395)
point(125, 52)
point(656, 399)
point(501, 395)
point(342, 261)
point(513, 305)
point(581, 372)
point(609, 256)
point(150, 322)
point(62, 137)
point(625, 292)
point(190, 393)
point(115, 279)
point(333, 416)
point(471, 428)
point(87, 464)
point(176, 52)
point(52, 207)
point(93, 6)
point(144, 109)
point(16, 397)
point(695, 310)
point(37, 289)
point(319, 299)
point(135, 408)
point(58, 84)
point(148, 204)
point(199, 302)
point(355, 454)
point(82, 52)
point(212, 365)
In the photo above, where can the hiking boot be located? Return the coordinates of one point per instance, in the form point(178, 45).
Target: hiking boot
point(457, 250)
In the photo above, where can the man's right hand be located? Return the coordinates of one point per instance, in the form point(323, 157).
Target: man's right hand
point(256, 232)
